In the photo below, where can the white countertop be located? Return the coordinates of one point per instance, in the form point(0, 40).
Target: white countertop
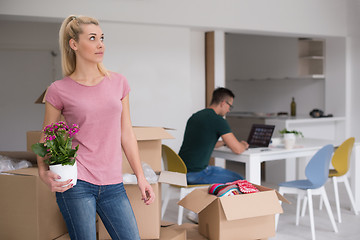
point(297, 119)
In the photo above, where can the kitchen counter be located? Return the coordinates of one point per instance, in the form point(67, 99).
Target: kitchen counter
point(299, 119)
point(322, 128)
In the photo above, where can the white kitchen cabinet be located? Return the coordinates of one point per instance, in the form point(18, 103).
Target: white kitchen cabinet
point(322, 128)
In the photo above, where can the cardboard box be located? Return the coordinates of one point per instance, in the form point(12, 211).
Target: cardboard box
point(29, 209)
point(63, 237)
point(41, 98)
point(190, 229)
point(29, 156)
point(32, 137)
point(245, 216)
point(147, 216)
point(149, 141)
point(172, 233)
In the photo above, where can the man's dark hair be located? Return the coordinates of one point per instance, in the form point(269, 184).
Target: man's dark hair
point(220, 94)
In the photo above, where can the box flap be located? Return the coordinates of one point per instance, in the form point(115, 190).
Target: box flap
point(192, 231)
point(250, 205)
point(41, 98)
point(174, 178)
point(33, 171)
point(280, 197)
point(170, 233)
point(166, 223)
point(20, 155)
point(197, 200)
point(151, 133)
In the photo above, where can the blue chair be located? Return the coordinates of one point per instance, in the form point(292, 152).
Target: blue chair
point(341, 163)
point(317, 172)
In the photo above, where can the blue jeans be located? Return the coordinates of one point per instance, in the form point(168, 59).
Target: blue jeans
point(212, 174)
point(80, 204)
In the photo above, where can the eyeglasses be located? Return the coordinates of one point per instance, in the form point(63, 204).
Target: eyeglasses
point(230, 106)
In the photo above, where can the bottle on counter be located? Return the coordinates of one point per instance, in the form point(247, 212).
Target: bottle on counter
point(293, 107)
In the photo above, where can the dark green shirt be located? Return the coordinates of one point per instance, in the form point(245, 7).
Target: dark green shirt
point(203, 130)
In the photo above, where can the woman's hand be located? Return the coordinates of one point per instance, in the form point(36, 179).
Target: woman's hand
point(49, 178)
point(147, 193)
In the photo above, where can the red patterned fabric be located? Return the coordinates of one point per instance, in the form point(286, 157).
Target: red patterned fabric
point(245, 186)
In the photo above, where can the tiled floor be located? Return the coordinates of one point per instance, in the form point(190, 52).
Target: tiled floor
point(349, 229)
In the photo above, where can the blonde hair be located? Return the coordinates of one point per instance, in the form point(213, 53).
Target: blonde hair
point(70, 29)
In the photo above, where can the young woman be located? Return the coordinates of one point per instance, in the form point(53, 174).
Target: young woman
point(98, 101)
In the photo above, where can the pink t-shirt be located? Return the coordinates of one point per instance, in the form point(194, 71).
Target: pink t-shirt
point(97, 110)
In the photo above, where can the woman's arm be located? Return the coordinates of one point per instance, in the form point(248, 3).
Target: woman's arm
point(131, 150)
point(52, 115)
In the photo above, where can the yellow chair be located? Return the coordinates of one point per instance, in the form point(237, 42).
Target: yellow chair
point(174, 163)
point(341, 164)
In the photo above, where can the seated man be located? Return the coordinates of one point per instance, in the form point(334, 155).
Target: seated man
point(202, 133)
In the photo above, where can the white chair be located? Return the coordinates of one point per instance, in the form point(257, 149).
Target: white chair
point(174, 163)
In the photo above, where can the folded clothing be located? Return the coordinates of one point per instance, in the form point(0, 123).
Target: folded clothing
point(232, 188)
point(229, 190)
point(245, 186)
point(221, 190)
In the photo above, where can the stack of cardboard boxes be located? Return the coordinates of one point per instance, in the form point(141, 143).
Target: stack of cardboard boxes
point(28, 208)
point(36, 204)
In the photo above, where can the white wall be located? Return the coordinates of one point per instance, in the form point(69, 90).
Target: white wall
point(27, 68)
point(251, 56)
point(320, 17)
point(353, 60)
point(336, 77)
point(272, 96)
point(164, 66)
point(263, 73)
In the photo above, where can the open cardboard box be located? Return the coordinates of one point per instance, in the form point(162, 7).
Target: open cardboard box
point(29, 209)
point(149, 141)
point(244, 216)
point(41, 98)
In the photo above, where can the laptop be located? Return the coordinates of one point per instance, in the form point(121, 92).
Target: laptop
point(260, 135)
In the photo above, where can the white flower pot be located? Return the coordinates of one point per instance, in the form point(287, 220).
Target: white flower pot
point(66, 172)
point(289, 140)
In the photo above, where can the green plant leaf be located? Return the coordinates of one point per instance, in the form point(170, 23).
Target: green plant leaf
point(39, 149)
point(297, 133)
